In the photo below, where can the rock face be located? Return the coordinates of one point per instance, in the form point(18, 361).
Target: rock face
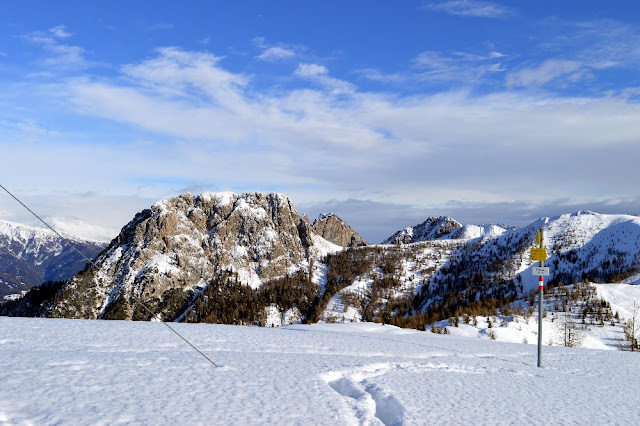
point(169, 253)
point(29, 256)
point(333, 229)
point(434, 228)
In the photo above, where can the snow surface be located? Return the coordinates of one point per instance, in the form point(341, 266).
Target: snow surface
point(223, 198)
point(110, 372)
point(322, 217)
point(469, 232)
point(324, 247)
point(620, 296)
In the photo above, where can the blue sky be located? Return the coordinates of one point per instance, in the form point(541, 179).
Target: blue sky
point(384, 112)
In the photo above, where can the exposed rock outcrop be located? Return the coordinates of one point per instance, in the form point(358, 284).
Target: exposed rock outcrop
point(332, 228)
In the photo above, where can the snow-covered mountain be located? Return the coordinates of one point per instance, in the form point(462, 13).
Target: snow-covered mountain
point(434, 228)
point(169, 254)
point(444, 228)
point(30, 256)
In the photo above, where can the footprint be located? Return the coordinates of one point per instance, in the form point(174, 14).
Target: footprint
point(346, 387)
point(371, 403)
point(388, 408)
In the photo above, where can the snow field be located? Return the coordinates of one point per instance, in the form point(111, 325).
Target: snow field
point(109, 372)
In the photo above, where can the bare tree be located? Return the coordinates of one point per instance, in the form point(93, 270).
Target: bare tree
point(568, 327)
point(632, 331)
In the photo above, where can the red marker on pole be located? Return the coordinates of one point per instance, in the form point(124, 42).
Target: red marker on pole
point(540, 283)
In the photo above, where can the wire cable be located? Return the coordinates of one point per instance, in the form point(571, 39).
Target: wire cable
point(138, 301)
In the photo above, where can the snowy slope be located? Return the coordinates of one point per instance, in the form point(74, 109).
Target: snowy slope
point(605, 335)
point(621, 297)
point(72, 372)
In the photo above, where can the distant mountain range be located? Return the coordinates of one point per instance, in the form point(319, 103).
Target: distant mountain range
point(441, 228)
point(30, 256)
point(252, 259)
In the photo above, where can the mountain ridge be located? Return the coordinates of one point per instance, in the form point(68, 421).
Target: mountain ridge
point(31, 255)
point(182, 254)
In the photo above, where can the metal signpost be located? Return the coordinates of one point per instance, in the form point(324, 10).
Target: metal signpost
point(540, 254)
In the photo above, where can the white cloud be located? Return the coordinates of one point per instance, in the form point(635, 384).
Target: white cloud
point(342, 146)
point(435, 66)
point(377, 75)
point(67, 57)
point(570, 52)
point(311, 71)
point(184, 73)
point(433, 60)
point(457, 66)
point(61, 56)
point(604, 42)
point(320, 74)
point(275, 54)
point(60, 31)
point(575, 50)
point(473, 8)
point(260, 42)
point(549, 70)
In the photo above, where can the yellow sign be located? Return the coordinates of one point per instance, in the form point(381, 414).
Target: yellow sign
point(539, 238)
point(539, 254)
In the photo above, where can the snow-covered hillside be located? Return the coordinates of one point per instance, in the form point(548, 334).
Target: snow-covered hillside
point(451, 272)
point(71, 372)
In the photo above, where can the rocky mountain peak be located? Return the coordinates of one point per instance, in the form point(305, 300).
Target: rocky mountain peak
point(434, 228)
point(330, 227)
point(178, 245)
